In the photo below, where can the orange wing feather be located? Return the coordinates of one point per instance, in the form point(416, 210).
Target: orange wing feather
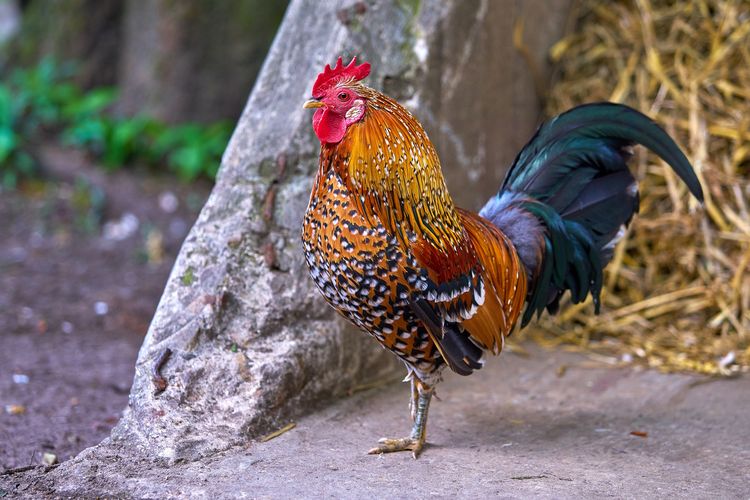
point(505, 282)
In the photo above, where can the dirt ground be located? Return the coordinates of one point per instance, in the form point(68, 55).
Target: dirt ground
point(83, 260)
point(547, 424)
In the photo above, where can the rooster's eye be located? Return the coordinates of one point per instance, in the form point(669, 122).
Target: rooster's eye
point(343, 96)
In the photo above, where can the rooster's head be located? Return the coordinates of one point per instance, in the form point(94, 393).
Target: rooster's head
point(338, 99)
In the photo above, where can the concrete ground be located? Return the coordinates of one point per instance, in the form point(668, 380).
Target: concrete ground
point(550, 425)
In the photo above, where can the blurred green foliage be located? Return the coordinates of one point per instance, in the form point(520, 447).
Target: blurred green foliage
point(42, 99)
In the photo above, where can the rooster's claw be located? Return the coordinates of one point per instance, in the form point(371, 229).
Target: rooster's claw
point(388, 445)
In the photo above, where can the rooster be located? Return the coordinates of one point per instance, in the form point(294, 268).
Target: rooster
point(441, 286)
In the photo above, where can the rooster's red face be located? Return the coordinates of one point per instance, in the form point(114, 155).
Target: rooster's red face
point(337, 101)
point(337, 109)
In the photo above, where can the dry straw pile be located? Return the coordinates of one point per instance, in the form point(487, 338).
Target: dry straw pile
point(678, 289)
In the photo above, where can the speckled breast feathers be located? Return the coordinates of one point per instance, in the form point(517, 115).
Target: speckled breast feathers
point(389, 250)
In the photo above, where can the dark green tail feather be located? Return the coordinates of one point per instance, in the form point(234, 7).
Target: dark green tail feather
point(613, 125)
point(571, 262)
point(573, 177)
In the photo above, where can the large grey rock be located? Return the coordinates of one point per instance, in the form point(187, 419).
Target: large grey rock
point(253, 343)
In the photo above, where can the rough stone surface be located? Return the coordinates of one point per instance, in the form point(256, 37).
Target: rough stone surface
point(481, 99)
point(253, 343)
point(515, 429)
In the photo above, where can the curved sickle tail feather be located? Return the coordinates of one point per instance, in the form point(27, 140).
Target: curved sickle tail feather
point(569, 196)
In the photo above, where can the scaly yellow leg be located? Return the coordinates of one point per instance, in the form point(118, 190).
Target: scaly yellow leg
point(420, 404)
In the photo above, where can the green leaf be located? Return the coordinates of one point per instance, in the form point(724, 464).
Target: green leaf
point(61, 94)
point(7, 113)
point(166, 141)
point(90, 104)
point(8, 143)
point(45, 95)
point(211, 170)
point(121, 144)
point(187, 162)
point(90, 132)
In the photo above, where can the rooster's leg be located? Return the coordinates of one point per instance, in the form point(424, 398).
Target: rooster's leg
point(421, 395)
point(414, 401)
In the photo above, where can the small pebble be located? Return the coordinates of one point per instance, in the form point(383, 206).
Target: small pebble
point(67, 327)
point(124, 228)
point(49, 458)
point(20, 378)
point(101, 308)
point(15, 409)
point(727, 360)
point(27, 313)
point(168, 202)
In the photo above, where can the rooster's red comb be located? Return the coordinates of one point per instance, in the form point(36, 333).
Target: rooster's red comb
point(329, 77)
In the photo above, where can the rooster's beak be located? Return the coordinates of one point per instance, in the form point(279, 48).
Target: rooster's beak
point(313, 103)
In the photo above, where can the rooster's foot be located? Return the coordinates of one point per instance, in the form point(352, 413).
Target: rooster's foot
point(388, 445)
point(420, 402)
